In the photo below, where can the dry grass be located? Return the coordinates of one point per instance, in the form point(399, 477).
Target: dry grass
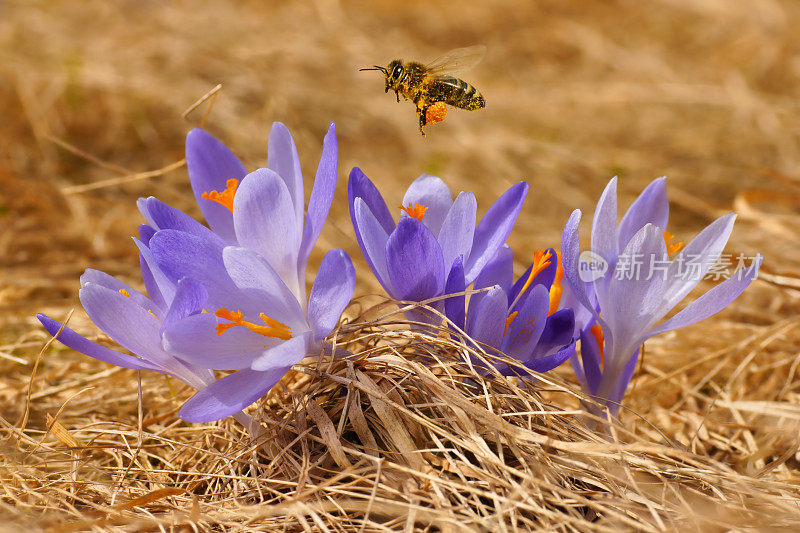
point(393, 438)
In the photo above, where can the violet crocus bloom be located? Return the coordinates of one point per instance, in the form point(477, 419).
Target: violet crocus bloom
point(640, 285)
point(136, 321)
point(256, 324)
point(412, 258)
point(263, 210)
point(521, 319)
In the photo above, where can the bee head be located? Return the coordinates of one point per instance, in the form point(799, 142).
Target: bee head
point(394, 73)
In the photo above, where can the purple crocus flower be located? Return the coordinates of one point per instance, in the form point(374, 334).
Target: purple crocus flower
point(412, 258)
point(520, 319)
point(136, 321)
point(263, 210)
point(639, 284)
point(257, 326)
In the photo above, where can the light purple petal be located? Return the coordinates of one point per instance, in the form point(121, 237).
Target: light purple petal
point(265, 222)
point(651, 207)
point(287, 353)
point(195, 340)
point(190, 298)
point(711, 302)
point(81, 344)
point(282, 158)
point(633, 298)
point(486, 321)
point(414, 262)
point(372, 239)
point(180, 255)
point(590, 356)
point(99, 277)
point(230, 395)
point(331, 292)
point(558, 332)
point(621, 384)
point(122, 319)
point(211, 164)
point(167, 217)
point(360, 186)
point(694, 261)
point(261, 290)
point(525, 330)
point(434, 194)
point(321, 197)
point(160, 289)
point(494, 228)
point(604, 238)
point(145, 232)
point(458, 228)
point(546, 363)
point(455, 307)
point(499, 271)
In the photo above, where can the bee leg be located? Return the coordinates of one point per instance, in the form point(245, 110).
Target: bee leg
point(397, 95)
point(421, 113)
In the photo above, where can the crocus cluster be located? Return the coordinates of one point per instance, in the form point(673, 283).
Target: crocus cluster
point(231, 295)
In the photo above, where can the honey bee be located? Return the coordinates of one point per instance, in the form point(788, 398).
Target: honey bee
point(433, 86)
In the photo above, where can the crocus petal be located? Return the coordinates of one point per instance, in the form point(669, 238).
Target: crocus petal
point(526, 328)
point(210, 165)
point(180, 255)
point(261, 289)
point(81, 344)
point(455, 306)
point(122, 319)
point(195, 340)
point(372, 239)
point(414, 262)
point(230, 395)
point(551, 361)
point(319, 203)
point(651, 207)
point(160, 289)
point(99, 277)
point(332, 290)
point(494, 228)
point(190, 298)
point(283, 159)
point(265, 222)
point(558, 332)
point(621, 384)
point(145, 232)
point(694, 261)
point(458, 228)
point(434, 194)
point(498, 271)
point(711, 302)
point(167, 217)
point(360, 186)
point(486, 321)
point(604, 238)
point(287, 353)
point(590, 356)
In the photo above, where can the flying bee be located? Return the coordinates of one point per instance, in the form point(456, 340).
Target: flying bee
point(433, 86)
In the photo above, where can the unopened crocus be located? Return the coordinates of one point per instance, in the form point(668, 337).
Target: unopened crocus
point(136, 321)
point(255, 324)
point(263, 210)
point(520, 319)
point(412, 258)
point(644, 274)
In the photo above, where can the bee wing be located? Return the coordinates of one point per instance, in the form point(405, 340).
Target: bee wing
point(458, 60)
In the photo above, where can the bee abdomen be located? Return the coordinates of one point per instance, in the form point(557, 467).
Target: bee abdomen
point(461, 94)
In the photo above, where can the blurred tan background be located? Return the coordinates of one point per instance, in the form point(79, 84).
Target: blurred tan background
point(703, 91)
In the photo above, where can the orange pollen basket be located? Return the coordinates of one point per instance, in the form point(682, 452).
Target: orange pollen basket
point(435, 113)
point(509, 320)
point(414, 211)
point(597, 331)
point(273, 328)
point(671, 248)
point(225, 197)
point(556, 289)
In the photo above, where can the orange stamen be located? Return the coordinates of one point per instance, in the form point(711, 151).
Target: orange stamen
point(556, 289)
point(273, 328)
point(597, 331)
point(509, 320)
point(125, 293)
point(541, 260)
point(225, 197)
point(671, 248)
point(414, 211)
